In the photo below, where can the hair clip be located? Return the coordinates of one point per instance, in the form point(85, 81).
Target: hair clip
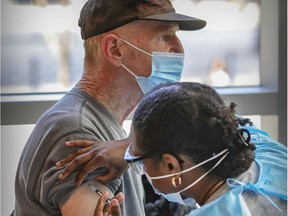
point(244, 121)
point(244, 135)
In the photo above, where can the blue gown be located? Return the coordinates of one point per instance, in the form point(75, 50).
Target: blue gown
point(271, 157)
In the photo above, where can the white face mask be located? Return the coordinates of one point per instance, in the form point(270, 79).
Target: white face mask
point(166, 67)
point(176, 197)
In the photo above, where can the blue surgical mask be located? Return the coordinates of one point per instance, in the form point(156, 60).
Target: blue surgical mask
point(166, 67)
point(176, 197)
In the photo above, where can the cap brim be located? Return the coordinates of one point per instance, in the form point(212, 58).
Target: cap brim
point(184, 22)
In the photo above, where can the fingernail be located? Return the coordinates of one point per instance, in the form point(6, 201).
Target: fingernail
point(67, 142)
point(61, 176)
point(114, 202)
point(58, 163)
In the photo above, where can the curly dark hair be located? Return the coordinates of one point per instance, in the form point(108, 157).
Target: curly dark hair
point(192, 119)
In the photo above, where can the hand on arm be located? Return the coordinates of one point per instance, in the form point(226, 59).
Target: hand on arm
point(94, 155)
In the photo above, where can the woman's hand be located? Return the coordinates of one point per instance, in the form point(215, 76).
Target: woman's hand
point(93, 155)
point(113, 209)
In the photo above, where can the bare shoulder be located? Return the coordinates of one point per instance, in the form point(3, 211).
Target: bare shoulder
point(84, 199)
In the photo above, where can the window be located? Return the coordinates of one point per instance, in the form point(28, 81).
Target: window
point(41, 46)
point(226, 52)
point(42, 49)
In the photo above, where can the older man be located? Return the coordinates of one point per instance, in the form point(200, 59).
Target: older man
point(125, 42)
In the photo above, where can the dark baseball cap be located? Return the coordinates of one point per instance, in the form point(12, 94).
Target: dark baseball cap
point(99, 16)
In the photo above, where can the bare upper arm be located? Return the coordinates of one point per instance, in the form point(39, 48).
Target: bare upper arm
point(83, 200)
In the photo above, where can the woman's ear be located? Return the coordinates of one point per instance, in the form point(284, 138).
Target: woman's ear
point(110, 47)
point(171, 163)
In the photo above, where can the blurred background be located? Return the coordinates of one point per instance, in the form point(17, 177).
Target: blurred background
point(42, 48)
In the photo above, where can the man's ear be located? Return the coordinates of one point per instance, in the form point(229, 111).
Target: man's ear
point(171, 163)
point(110, 47)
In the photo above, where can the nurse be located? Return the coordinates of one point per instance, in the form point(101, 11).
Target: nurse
point(195, 151)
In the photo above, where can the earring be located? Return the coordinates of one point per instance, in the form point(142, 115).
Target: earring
point(176, 181)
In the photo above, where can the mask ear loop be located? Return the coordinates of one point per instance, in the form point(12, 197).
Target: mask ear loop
point(127, 69)
point(191, 168)
point(245, 141)
point(137, 48)
point(143, 51)
point(205, 174)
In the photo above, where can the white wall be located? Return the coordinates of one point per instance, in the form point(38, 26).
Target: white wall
point(13, 139)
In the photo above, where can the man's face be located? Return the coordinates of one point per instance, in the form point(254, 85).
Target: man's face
point(151, 36)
